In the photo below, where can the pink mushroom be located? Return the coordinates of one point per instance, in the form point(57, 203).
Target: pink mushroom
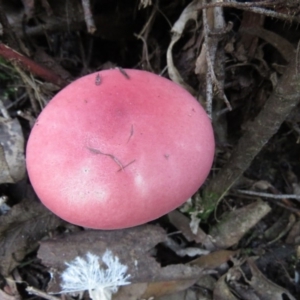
point(116, 149)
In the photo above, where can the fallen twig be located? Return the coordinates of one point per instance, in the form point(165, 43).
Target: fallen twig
point(209, 63)
point(88, 16)
point(269, 195)
point(28, 64)
point(36, 292)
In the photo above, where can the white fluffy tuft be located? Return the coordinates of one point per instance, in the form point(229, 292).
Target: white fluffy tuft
point(86, 274)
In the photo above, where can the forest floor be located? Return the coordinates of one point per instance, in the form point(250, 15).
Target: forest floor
point(238, 237)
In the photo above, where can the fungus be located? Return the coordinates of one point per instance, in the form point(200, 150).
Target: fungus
point(119, 148)
point(86, 274)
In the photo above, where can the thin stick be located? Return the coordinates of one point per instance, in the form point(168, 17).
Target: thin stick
point(33, 291)
point(29, 65)
point(210, 50)
point(269, 195)
point(123, 72)
point(209, 85)
point(88, 16)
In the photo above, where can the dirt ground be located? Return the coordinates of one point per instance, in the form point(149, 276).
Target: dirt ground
point(238, 236)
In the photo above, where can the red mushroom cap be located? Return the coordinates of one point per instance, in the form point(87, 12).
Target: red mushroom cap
point(113, 151)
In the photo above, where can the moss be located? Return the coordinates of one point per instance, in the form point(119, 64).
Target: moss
point(208, 204)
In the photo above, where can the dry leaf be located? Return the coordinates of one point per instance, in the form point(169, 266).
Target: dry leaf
point(214, 259)
point(280, 227)
point(131, 292)
point(285, 48)
point(294, 235)
point(159, 289)
point(190, 294)
point(20, 231)
point(238, 287)
point(12, 161)
point(222, 291)
point(189, 13)
point(265, 288)
point(182, 223)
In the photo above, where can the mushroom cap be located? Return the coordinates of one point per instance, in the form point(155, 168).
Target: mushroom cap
point(111, 151)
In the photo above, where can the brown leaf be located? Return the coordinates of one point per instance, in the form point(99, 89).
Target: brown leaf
point(21, 229)
point(158, 289)
point(189, 294)
point(189, 13)
point(182, 223)
point(131, 292)
point(250, 42)
point(214, 259)
point(152, 289)
point(285, 48)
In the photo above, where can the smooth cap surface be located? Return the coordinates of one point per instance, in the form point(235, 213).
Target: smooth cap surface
point(112, 152)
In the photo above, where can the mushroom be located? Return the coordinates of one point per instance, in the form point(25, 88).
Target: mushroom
point(119, 148)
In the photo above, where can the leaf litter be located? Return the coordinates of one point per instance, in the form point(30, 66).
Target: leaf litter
point(20, 231)
point(249, 247)
point(133, 247)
